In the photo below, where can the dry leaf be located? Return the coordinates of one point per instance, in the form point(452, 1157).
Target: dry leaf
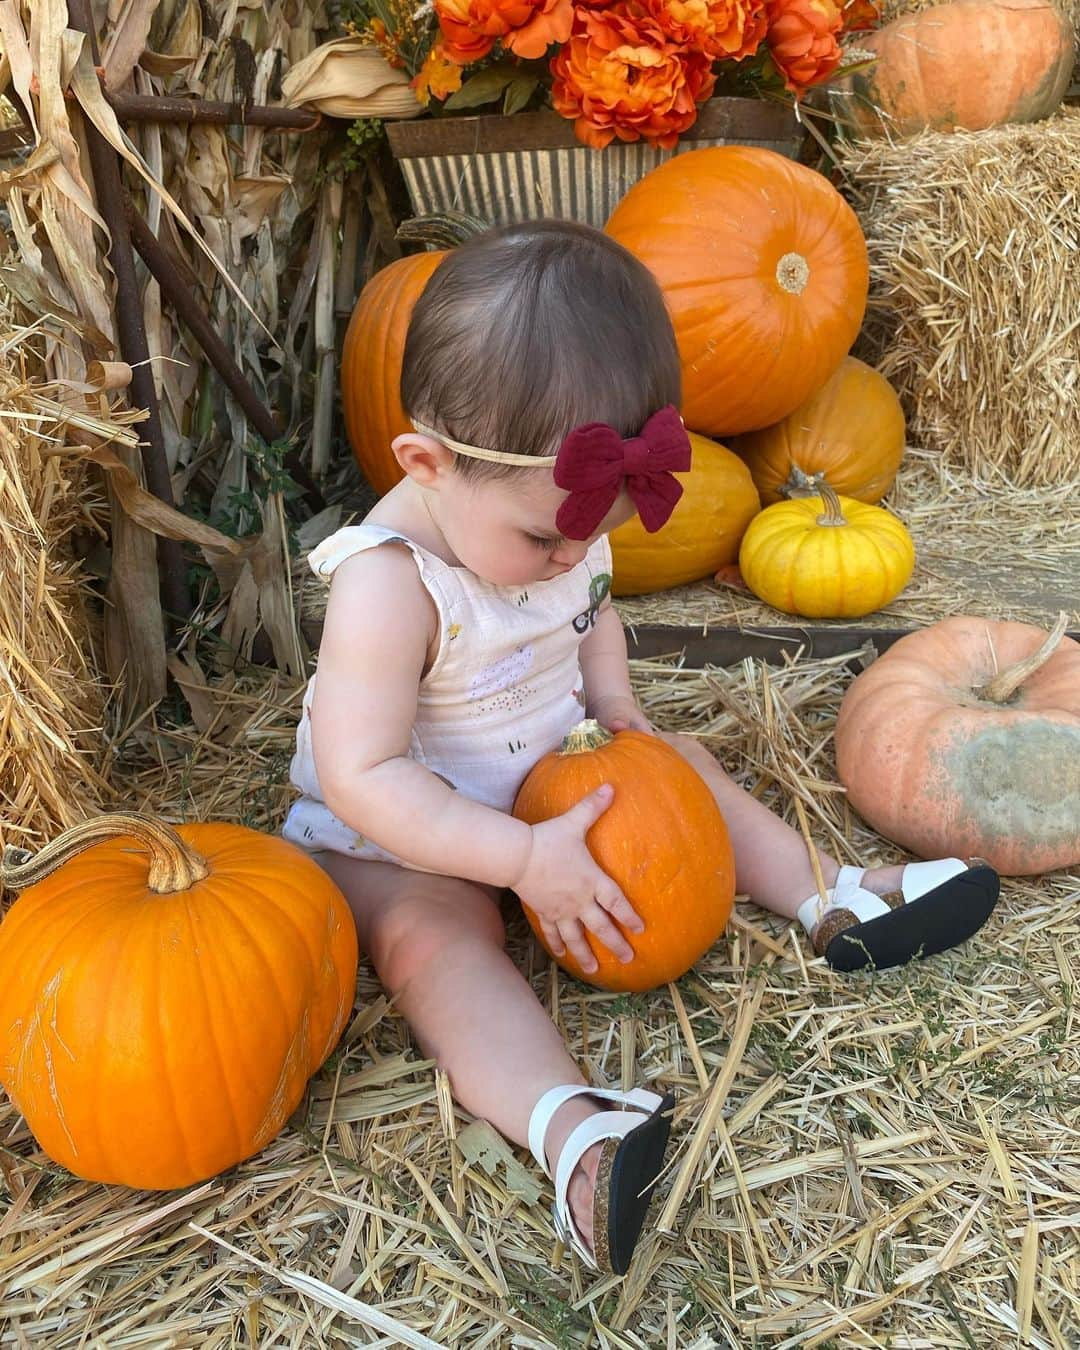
point(346, 78)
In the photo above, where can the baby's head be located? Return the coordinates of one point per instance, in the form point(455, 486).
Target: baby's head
point(522, 335)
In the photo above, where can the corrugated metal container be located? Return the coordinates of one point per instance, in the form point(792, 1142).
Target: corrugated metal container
point(530, 164)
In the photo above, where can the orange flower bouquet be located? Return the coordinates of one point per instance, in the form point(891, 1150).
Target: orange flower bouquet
point(618, 69)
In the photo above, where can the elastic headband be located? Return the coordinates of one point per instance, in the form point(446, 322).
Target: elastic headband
point(478, 451)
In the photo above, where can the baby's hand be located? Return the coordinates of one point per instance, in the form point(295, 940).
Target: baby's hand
point(568, 892)
point(620, 714)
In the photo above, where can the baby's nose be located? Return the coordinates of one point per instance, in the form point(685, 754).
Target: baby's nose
point(570, 552)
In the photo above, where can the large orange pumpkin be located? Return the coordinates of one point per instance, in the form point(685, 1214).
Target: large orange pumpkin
point(662, 839)
point(971, 64)
point(166, 995)
point(718, 502)
point(764, 269)
point(375, 342)
point(849, 434)
point(963, 740)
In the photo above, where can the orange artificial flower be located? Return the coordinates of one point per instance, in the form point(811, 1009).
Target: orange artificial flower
point(619, 76)
point(860, 15)
point(437, 77)
point(726, 30)
point(551, 22)
point(470, 28)
point(802, 39)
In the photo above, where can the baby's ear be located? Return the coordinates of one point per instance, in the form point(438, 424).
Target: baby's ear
point(425, 460)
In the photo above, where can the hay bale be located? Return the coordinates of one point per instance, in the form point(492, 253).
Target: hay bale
point(52, 757)
point(974, 246)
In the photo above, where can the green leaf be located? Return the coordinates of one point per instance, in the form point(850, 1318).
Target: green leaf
point(519, 91)
point(483, 87)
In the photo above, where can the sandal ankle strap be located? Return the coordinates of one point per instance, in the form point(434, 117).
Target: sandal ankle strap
point(550, 1101)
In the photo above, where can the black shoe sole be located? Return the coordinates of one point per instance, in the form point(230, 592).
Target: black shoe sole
point(943, 918)
point(629, 1185)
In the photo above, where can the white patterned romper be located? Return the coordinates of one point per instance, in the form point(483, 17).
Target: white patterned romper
point(504, 688)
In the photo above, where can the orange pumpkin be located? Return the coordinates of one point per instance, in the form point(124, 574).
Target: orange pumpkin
point(971, 64)
point(718, 502)
point(764, 269)
point(963, 740)
point(371, 365)
point(849, 434)
point(166, 995)
point(663, 840)
point(375, 342)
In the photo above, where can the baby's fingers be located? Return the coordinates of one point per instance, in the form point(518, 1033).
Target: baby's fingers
point(609, 897)
point(555, 944)
point(572, 933)
point(598, 921)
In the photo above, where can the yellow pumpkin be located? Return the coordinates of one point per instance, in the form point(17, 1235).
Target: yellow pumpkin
point(826, 557)
point(850, 434)
point(718, 502)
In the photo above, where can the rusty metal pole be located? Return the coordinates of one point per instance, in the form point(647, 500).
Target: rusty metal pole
point(132, 334)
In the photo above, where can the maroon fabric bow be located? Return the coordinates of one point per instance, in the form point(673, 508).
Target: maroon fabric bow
point(594, 461)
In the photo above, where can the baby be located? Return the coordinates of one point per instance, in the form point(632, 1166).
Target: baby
point(468, 629)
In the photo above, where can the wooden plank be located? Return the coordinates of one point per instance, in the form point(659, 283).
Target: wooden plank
point(720, 119)
point(726, 646)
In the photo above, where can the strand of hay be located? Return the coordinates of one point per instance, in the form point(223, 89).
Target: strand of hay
point(53, 767)
point(974, 241)
point(895, 1162)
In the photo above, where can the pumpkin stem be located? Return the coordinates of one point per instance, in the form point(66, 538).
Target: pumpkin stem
point(802, 484)
point(174, 865)
point(587, 735)
point(833, 513)
point(446, 229)
point(1006, 682)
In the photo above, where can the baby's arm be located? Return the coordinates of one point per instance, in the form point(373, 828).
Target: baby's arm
point(608, 696)
point(379, 624)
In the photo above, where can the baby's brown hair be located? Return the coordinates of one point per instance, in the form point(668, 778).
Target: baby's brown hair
point(527, 331)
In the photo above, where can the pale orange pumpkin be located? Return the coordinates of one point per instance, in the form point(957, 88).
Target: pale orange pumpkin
point(375, 343)
point(963, 740)
point(849, 434)
point(718, 502)
point(764, 270)
point(662, 839)
point(970, 64)
point(166, 994)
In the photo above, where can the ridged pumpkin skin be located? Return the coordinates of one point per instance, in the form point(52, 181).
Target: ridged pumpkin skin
point(371, 365)
point(153, 1040)
point(764, 269)
point(719, 500)
point(970, 64)
point(794, 561)
point(943, 771)
point(851, 431)
point(662, 839)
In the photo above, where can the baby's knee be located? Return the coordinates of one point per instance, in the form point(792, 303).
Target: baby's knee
point(691, 749)
point(420, 926)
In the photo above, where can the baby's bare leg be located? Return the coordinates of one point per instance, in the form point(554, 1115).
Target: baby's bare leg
point(437, 945)
point(772, 865)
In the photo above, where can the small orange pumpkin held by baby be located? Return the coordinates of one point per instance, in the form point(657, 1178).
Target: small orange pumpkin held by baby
point(663, 840)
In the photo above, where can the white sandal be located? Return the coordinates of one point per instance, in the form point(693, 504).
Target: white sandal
point(630, 1163)
point(939, 905)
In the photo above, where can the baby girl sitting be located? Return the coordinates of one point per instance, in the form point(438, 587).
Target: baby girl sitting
point(468, 629)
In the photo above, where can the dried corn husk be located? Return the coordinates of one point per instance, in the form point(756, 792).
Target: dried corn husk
point(348, 78)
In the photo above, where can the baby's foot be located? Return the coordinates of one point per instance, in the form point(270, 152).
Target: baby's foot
point(891, 915)
point(580, 1191)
